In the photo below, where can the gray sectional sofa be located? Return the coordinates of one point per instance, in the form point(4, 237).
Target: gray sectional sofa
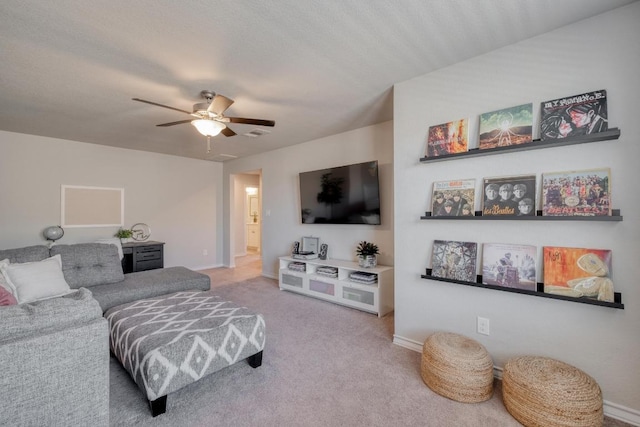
point(55, 352)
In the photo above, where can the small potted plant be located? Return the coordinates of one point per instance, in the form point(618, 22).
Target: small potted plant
point(367, 254)
point(124, 234)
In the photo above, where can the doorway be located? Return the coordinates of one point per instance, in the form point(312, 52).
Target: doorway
point(246, 219)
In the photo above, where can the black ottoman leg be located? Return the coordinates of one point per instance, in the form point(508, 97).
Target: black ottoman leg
point(255, 360)
point(158, 406)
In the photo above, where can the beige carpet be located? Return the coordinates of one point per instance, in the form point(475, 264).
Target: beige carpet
point(324, 365)
point(246, 267)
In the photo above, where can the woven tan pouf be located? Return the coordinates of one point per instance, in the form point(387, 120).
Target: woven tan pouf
point(457, 367)
point(539, 391)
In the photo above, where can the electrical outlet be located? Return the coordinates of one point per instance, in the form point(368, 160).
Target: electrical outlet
point(483, 326)
point(205, 252)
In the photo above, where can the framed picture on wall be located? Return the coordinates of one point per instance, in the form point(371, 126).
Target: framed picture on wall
point(83, 206)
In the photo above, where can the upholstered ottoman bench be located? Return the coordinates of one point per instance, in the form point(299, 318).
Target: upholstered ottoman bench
point(168, 342)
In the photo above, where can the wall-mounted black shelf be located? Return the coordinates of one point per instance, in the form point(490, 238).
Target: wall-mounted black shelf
point(539, 292)
point(615, 216)
point(536, 144)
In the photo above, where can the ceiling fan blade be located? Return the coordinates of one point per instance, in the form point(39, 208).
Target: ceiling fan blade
point(160, 105)
point(228, 132)
point(175, 123)
point(258, 122)
point(219, 103)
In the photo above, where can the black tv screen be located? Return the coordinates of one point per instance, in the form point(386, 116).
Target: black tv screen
point(341, 195)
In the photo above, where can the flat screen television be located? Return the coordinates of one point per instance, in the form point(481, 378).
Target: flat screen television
point(341, 195)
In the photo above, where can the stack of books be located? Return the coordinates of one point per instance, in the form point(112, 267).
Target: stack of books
point(297, 266)
point(325, 270)
point(364, 278)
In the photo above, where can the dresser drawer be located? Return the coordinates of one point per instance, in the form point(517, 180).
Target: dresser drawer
point(145, 256)
point(149, 265)
point(149, 248)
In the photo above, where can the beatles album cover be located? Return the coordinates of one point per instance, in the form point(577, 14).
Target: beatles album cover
point(577, 193)
point(574, 115)
point(510, 126)
point(453, 198)
point(509, 265)
point(578, 272)
point(448, 138)
point(509, 196)
point(454, 260)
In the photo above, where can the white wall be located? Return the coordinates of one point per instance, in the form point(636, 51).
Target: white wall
point(599, 53)
point(177, 197)
point(281, 224)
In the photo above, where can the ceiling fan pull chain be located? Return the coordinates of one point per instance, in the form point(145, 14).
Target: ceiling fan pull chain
point(208, 144)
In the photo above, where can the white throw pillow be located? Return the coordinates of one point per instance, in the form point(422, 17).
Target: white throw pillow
point(33, 281)
point(113, 241)
point(3, 281)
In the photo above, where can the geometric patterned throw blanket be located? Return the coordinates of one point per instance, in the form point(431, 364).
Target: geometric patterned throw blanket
point(168, 342)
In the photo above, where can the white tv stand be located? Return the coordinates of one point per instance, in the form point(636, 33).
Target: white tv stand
point(374, 298)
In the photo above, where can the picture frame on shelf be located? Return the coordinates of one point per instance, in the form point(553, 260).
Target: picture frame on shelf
point(574, 115)
point(578, 272)
point(506, 127)
point(453, 198)
point(509, 266)
point(448, 138)
point(577, 193)
point(509, 196)
point(454, 260)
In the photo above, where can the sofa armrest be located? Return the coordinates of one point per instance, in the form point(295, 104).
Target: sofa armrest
point(54, 356)
point(59, 378)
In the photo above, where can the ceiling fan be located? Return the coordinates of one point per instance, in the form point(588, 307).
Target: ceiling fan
point(209, 116)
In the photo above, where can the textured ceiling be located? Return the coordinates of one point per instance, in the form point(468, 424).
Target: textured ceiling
point(69, 69)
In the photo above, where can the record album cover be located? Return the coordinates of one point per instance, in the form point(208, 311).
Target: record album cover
point(578, 272)
point(574, 115)
point(509, 196)
point(448, 138)
point(453, 198)
point(510, 126)
point(454, 260)
point(509, 265)
point(577, 193)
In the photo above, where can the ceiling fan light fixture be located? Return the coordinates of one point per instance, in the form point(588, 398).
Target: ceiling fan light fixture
point(208, 127)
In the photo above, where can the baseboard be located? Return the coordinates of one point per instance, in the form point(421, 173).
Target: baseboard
point(270, 275)
point(206, 267)
point(621, 413)
point(611, 409)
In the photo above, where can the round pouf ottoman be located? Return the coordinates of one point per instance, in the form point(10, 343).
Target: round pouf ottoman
point(457, 367)
point(539, 391)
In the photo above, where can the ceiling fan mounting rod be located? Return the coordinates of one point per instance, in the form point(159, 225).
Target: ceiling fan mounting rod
point(208, 95)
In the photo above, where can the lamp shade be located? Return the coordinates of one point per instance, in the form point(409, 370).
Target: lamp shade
point(208, 127)
point(53, 233)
